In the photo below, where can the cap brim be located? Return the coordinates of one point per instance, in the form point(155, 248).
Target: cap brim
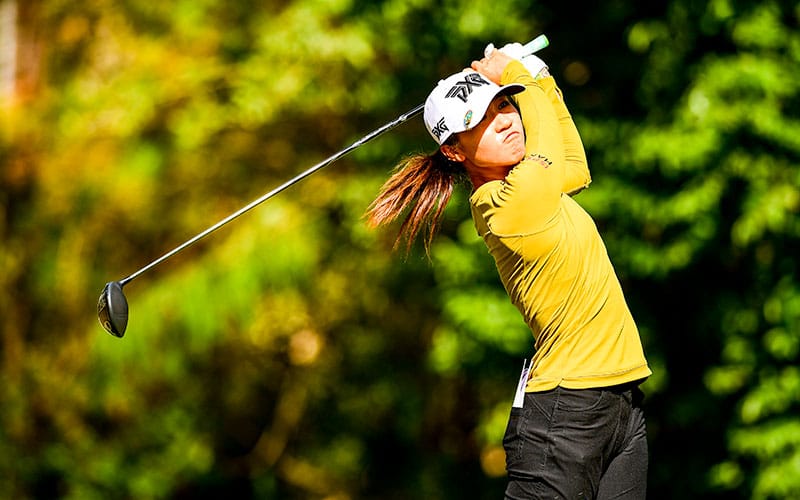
point(510, 89)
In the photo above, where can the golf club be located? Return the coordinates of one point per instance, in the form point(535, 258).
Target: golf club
point(112, 306)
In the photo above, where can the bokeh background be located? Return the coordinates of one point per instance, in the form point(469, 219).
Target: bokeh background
point(292, 355)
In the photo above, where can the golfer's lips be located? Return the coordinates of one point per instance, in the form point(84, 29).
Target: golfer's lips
point(511, 137)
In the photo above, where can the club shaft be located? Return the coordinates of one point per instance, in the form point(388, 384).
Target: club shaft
point(533, 46)
point(375, 133)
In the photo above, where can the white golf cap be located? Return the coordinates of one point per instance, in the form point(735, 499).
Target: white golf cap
point(459, 102)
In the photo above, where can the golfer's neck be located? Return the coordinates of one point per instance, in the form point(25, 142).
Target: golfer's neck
point(480, 176)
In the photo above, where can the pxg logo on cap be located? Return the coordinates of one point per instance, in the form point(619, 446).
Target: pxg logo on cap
point(463, 88)
point(460, 101)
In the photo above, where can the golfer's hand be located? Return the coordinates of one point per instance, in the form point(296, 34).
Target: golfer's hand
point(493, 65)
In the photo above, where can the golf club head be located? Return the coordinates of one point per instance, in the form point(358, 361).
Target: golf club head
point(112, 309)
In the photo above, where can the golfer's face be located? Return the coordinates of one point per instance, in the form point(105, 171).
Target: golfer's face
point(499, 138)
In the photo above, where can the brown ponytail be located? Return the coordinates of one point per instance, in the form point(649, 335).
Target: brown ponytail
point(423, 184)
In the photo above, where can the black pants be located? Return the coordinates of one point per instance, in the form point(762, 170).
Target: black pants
point(569, 444)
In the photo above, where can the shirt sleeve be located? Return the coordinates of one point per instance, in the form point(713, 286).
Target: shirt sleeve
point(528, 198)
point(577, 175)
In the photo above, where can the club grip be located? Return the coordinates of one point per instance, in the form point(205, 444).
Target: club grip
point(535, 45)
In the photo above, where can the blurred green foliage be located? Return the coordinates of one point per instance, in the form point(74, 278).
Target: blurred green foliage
point(292, 355)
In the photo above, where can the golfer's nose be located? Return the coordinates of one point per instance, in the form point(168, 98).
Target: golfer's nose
point(502, 121)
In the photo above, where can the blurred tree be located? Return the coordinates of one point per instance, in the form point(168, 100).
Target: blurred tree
point(707, 190)
point(294, 356)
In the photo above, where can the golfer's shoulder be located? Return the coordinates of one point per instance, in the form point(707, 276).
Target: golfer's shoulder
point(487, 195)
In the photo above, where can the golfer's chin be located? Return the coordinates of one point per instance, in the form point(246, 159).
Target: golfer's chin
point(517, 153)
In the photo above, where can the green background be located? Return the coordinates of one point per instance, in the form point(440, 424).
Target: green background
point(292, 355)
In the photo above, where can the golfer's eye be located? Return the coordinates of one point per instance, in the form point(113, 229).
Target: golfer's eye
point(503, 104)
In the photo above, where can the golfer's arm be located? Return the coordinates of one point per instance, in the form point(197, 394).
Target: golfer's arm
point(576, 174)
point(531, 192)
point(576, 169)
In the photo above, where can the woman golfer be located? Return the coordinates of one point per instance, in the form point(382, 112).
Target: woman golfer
point(577, 429)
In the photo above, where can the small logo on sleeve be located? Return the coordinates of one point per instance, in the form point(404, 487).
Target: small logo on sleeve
point(541, 160)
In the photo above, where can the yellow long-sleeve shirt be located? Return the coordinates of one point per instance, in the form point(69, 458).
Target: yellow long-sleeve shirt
point(550, 256)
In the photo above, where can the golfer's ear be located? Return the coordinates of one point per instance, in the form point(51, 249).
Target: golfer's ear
point(452, 153)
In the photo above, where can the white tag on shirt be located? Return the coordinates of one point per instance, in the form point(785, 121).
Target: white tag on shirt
point(519, 397)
